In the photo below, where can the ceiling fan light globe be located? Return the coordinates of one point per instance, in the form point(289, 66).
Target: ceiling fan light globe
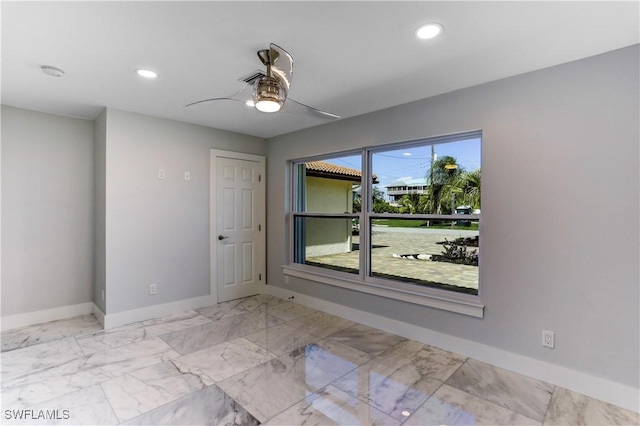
point(268, 106)
point(268, 94)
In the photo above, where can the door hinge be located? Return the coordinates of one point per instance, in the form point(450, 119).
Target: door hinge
point(259, 227)
point(259, 277)
point(259, 178)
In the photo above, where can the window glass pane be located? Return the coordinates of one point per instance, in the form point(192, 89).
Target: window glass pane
point(428, 179)
point(331, 243)
point(442, 255)
point(331, 185)
point(440, 176)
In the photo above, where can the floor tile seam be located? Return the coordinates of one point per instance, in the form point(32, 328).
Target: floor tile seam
point(158, 388)
point(169, 402)
point(13, 349)
point(456, 370)
point(273, 355)
point(79, 371)
point(255, 343)
point(146, 331)
point(304, 328)
point(104, 394)
point(77, 389)
point(141, 324)
point(389, 349)
point(546, 412)
point(285, 321)
point(255, 414)
point(41, 403)
point(212, 319)
point(395, 368)
point(184, 373)
point(351, 324)
point(283, 410)
point(327, 338)
point(245, 371)
point(81, 347)
point(442, 383)
point(226, 337)
point(333, 383)
point(37, 371)
point(42, 343)
point(480, 398)
point(489, 401)
point(316, 395)
point(8, 332)
point(38, 327)
point(86, 332)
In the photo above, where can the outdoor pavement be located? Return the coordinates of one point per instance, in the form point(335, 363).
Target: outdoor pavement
point(402, 241)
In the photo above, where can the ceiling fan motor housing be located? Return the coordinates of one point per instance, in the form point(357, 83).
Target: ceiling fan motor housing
point(269, 94)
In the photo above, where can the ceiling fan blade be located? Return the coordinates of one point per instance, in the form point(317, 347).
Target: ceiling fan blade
point(243, 95)
point(296, 107)
point(281, 64)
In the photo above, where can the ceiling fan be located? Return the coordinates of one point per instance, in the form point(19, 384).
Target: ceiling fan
point(268, 92)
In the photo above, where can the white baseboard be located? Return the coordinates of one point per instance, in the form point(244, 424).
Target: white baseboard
point(30, 318)
point(155, 311)
point(596, 387)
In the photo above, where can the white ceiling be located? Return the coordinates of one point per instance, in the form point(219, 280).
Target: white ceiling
point(350, 58)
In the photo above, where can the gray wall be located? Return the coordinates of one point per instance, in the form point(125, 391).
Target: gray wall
point(143, 230)
point(100, 187)
point(157, 231)
point(47, 211)
point(560, 233)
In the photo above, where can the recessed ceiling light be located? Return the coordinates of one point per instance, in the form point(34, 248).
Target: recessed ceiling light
point(429, 30)
point(146, 73)
point(52, 71)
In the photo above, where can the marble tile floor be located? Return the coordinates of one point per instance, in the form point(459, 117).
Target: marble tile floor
point(263, 360)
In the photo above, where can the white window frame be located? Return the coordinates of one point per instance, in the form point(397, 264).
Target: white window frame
point(461, 303)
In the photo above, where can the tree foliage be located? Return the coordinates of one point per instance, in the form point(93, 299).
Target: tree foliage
point(449, 185)
point(442, 175)
point(379, 204)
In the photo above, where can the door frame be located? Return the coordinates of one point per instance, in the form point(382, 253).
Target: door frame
point(213, 246)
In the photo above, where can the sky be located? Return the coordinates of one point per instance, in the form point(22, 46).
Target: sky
point(414, 163)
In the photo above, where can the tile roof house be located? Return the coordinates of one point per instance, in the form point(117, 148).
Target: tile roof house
point(333, 171)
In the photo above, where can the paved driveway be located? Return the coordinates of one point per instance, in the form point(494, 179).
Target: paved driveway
point(402, 241)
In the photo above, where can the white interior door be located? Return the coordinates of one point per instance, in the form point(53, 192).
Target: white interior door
point(238, 242)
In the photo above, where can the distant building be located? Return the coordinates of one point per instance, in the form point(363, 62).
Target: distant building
point(397, 189)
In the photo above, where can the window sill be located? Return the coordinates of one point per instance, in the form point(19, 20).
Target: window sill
point(451, 304)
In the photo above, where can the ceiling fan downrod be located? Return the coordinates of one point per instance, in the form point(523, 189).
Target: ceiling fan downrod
point(269, 93)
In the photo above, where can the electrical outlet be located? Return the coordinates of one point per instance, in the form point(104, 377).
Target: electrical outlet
point(160, 173)
point(187, 175)
point(153, 288)
point(548, 339)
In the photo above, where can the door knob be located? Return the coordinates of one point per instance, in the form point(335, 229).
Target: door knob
point(222, 237)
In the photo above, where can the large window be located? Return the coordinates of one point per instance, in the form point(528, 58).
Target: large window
point(404, 217)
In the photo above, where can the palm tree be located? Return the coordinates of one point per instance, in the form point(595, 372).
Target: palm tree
point(410, 204)
point(469, 183)
point(443, 172)
point(463, 190)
